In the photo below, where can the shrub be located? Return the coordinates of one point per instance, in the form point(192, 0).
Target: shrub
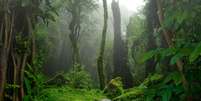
point(79, 78)
point(114, 88)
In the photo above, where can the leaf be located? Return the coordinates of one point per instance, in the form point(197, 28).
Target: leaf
point(147, 56)
point(26, 98)
point(150, 94)
point(156, 77)
point(196, 53)
point(175, 58)
point(166, 94)
point(177, 78)
point(167, 52)
point(27, 85)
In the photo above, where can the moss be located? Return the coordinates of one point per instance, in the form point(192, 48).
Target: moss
point(70, 94)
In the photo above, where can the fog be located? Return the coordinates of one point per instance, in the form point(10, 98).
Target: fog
point(60, 55)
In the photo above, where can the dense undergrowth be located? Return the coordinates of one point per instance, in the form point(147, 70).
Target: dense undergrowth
point(66, 93)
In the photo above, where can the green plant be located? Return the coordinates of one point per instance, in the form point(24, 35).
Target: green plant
point(156, 87)
point(114, 88)
point(79, 78)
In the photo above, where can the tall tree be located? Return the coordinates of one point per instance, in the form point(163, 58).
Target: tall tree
point(152, 26)
point(121, 68)
point(78, 9)
point(75, 30)
point(100, 61)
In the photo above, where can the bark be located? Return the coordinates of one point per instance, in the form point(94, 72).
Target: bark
point(100, 61)
point(120, 52)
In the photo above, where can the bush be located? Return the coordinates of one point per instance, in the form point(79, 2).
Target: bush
point(156, 87)
point(79, 78)
point(114, 88)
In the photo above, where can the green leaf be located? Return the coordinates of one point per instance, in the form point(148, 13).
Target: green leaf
point(156, 77)
point(26, 98)
point(175, 58)
point(147, 56)
point(196, 53)
point(27, 85)
point(166, 94)
point(177, 78)
point(167, 52)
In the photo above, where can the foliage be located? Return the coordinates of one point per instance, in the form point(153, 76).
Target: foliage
point(136, 45)
point(69, 94)
point(86, 6)
point(181, 18)
point(79, 78)
point(156, 87)
point(114, 88)
point(34, 77)
point(23, 44)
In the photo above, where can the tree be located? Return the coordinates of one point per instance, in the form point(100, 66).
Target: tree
point(78, 9)
point(152, 26)
point(120, 57)
point(100, 62)
point(18, 20)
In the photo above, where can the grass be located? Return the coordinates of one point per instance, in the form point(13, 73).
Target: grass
point(70, 94)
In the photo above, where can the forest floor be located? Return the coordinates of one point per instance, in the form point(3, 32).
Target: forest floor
point(70, 94)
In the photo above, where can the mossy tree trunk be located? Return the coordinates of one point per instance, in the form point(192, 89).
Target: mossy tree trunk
point(75, 31)
point(100, 60)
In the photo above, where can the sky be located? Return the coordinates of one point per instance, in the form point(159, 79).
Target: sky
point(131, 5)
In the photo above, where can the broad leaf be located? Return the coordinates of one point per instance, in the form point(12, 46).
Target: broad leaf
point(196, 53)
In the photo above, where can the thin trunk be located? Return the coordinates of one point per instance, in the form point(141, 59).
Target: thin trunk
point(22, 69)
point(3, 68)
point(6, 31)
point(33, 43)
point(16, 66)
point(100, 61)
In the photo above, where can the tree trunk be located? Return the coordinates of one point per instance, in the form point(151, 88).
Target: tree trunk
point(100, 60)
point(75, 33)
point(3, 68)
point(6, 31)
point(152, 25)
point(120, 52)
